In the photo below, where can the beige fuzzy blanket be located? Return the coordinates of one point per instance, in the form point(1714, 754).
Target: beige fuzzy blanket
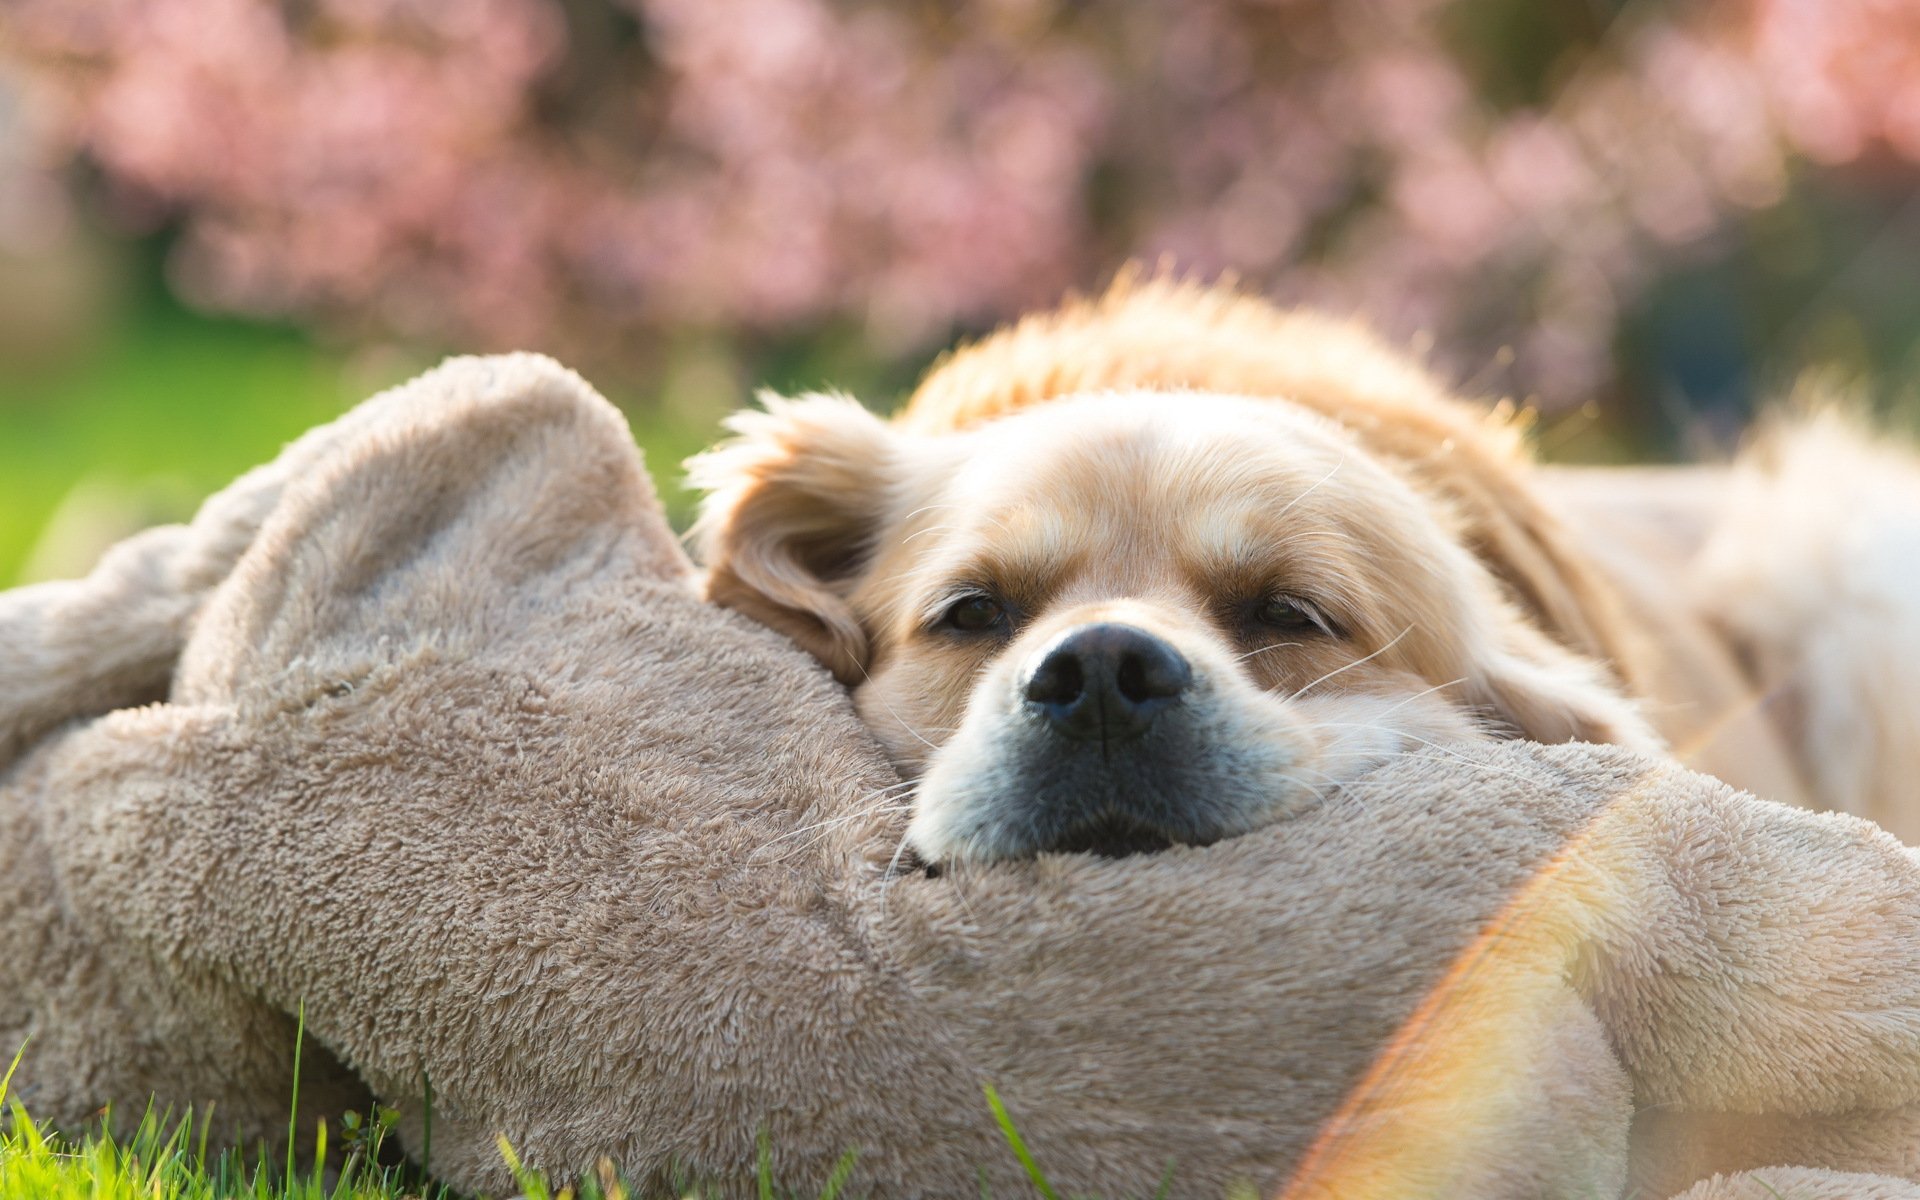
point(439, 742)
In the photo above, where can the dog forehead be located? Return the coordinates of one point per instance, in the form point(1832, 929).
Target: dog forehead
point(1146, 446)
point(1080, 470)
point(1163, 485)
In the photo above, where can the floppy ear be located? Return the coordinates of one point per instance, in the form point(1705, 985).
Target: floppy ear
point(792, 505)
point(1547, 693)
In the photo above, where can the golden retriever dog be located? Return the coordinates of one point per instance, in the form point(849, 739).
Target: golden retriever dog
point(1169, 565)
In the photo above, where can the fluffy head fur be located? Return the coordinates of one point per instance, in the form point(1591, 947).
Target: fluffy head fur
point(1167, 486)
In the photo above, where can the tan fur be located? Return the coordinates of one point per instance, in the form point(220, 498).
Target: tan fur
point(455, 760)
point(1675, 589)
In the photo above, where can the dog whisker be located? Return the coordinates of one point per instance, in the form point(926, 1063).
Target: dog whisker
point(828, 824)
point(893, 798)
point(1317, 794)
point(990, 518)
point(941, 529)
point(1437, 747)
point(872, 800)
point(892, 873)
point(918, 533)
point(966, 905)
point(888, 877)
point(1336, 535)
point(1332, 780)
point(1417, 695)
point(1350, 666)
point(1262, 650)
point(1288, 507)
point(930, 743)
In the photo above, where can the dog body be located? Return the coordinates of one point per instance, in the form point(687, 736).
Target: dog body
point(1169, 565)
point(1780, 649)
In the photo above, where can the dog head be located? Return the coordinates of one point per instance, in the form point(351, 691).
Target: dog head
point(1120, 621)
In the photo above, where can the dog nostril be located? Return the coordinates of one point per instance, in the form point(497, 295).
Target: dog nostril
point(1057, 680)
point(1106, 682)
point(1154, 671)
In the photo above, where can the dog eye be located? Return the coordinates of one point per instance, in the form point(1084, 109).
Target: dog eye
point(976, 613)
point(1289, 613)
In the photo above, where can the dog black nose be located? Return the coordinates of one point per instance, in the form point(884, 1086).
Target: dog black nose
point(1106, 682)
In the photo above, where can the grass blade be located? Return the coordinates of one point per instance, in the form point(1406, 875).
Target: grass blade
point(12, 1067)
point(293, 1115)
point(837, 1178)
point(1019, 1144)
point(765, 1170)
point(426, 1124)
point(532, 1185)
point(1165, 1189)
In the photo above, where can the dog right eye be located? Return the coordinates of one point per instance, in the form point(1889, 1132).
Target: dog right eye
point(976, 613)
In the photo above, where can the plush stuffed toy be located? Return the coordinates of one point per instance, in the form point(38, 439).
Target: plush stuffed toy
point(424, 730)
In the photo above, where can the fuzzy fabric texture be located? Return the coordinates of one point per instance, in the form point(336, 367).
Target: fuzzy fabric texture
point(439, 744)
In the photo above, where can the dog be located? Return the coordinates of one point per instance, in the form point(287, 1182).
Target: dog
point(1171, 564)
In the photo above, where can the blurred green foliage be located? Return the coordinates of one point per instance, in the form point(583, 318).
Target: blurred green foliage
point(163, 407)
point(159, 406)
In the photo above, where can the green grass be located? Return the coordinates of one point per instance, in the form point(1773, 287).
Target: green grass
point(166, 1158)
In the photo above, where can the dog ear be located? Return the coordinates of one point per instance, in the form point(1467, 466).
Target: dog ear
point(792, 503)
point(1546, 693)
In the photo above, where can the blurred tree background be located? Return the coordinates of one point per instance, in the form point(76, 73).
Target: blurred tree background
point(224, 220)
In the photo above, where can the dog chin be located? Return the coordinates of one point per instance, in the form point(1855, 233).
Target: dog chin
point(1215, 767)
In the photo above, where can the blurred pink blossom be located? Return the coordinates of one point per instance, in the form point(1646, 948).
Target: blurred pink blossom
point(586, 177)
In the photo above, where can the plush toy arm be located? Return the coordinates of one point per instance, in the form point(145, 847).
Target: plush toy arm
point(78, 648)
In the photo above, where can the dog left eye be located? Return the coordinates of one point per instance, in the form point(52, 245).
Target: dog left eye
point(1289, 613)
point(976, 613)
